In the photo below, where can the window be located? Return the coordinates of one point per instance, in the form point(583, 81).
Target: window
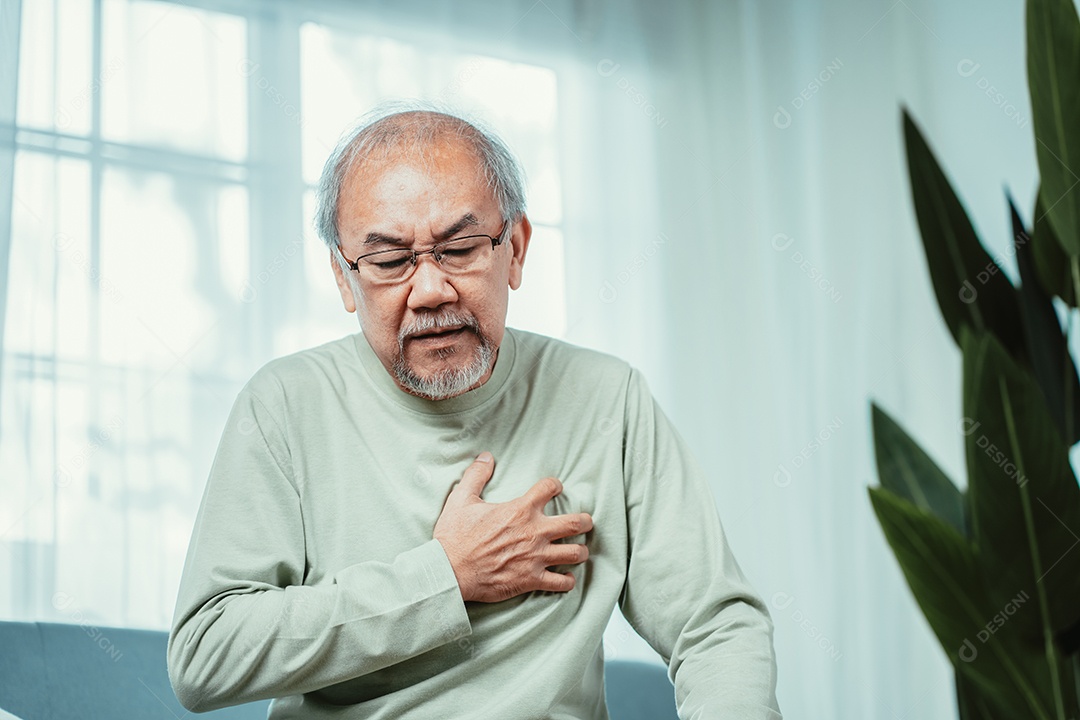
point(162, 250)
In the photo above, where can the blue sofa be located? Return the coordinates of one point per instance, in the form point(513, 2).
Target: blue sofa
point(51, 671)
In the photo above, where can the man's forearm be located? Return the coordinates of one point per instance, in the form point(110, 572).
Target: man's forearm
point(729, 672)
point(250, 642)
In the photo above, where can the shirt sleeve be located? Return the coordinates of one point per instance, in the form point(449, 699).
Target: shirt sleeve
point(684, 593)
point(247, 628)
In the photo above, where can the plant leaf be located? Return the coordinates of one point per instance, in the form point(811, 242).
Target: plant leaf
point(1051, 261)
point(1053, 66)
point(1051, 362)
point(905, 470)
point(970, 287)
point(970, 702)
point(944, 575)
point(1023, 499)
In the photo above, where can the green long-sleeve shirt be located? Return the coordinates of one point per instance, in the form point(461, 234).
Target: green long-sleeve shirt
point(312, 576)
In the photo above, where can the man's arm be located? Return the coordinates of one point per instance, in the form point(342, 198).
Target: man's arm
point(684, 592)
point(246, 628)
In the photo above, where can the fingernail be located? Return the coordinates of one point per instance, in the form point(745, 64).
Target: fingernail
point(484, 457)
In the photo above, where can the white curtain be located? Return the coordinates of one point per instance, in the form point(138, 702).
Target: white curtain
point(732, 215)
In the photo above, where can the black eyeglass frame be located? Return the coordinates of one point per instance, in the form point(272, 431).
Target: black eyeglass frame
point(496, 240)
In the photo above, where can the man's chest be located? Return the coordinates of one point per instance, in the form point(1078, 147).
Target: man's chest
point(378, 491)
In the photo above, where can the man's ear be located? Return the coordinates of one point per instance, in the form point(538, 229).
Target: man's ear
point(347, 297)
point(519, 244)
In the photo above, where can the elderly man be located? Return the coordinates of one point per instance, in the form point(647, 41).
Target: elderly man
point(435, 518)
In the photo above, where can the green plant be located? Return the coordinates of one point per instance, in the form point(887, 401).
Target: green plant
point(995, 568)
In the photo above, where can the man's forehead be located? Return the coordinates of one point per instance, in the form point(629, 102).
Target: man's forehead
point(442, 153)
point(442, 192)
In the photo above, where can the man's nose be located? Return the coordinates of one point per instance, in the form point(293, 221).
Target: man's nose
point(430, 285)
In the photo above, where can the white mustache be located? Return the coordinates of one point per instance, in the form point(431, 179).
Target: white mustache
point(427, 323)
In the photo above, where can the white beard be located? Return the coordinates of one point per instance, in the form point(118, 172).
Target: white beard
point(448, 383)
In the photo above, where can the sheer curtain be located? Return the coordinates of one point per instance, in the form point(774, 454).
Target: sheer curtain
point(723, 194)
point(797, 292)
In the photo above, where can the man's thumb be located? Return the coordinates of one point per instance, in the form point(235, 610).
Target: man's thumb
point(477, 475)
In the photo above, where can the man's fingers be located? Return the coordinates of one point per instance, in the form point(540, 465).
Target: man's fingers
point(561, 526)
point(556, 582)
point(544, 489)
point(566, 554)
point(476, 475)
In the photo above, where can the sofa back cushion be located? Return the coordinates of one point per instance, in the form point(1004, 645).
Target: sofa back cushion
point(22, 669)
point(51, 671)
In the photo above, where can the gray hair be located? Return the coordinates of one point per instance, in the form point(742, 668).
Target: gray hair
point(415, 126)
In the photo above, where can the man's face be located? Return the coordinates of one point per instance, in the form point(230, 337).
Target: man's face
point(432, 326)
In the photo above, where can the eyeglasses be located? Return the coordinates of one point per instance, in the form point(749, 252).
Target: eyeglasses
point(457, 256)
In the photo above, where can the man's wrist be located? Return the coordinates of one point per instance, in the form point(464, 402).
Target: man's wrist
point(463, 587)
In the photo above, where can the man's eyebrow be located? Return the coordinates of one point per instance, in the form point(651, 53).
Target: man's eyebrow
point(467, 220)
point(373, 238)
